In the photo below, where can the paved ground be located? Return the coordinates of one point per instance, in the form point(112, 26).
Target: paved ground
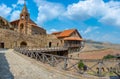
point(17, 66)
point(14, 66)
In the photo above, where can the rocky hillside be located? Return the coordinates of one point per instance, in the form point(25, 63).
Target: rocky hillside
point(97, 50)
point(93, 45)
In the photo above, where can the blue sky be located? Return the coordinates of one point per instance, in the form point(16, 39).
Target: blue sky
point(95, 19)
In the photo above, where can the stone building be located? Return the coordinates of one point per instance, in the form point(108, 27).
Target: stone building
point(70, 38)
point(25, 32)
point(25, 25)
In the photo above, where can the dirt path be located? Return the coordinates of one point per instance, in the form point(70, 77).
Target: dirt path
point(14, 66)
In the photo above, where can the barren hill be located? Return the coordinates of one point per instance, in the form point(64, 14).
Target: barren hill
point(93, 45)
point(97, 50)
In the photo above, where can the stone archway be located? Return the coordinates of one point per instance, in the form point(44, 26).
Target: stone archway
point(23, 44)
point(50, 44)
point(2, 45)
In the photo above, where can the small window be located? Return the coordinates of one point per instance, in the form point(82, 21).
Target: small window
point(57, 44)
point(21, 26)
point(61, 41)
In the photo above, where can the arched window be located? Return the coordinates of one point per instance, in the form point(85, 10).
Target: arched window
point(23, 44)
point(22, 17)
point(21, 28)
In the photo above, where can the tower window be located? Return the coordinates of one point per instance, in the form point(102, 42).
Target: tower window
point(21, 26)
point(22, 17)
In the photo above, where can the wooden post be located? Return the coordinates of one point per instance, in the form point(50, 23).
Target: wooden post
point(36, 54)
point(65, 64)
point(43, 58)
point(52, 60)
point(100, 69)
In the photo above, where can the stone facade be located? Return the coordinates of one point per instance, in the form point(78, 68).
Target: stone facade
point(25, 25)
point(11, 39)
point(71, 39)
point(24, 32)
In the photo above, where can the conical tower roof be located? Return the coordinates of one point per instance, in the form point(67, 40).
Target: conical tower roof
point(24, 10)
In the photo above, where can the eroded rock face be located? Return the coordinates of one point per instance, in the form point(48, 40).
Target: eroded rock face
point(5, 24)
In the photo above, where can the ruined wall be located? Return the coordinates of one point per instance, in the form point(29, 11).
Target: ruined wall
point(12, 39)
point(38, 30)
point(55, 42)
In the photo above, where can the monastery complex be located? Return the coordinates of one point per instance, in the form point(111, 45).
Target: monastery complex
point(24, 32)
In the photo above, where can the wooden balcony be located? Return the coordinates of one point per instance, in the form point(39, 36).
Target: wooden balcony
point(73, 45)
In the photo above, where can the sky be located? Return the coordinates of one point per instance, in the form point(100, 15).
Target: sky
point(97, 20)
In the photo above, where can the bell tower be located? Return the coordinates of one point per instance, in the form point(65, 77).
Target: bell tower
point(24, 19)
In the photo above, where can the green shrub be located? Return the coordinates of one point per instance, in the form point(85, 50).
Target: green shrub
point(81, 64)
point(108, 56)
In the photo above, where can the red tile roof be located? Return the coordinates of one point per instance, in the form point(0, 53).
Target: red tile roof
point(66, 33)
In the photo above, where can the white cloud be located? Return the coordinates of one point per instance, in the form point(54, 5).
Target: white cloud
point(16, 10)
point(21, 2)
point(14, 5)
point(106, 13)
point(112, 16)
point(85, 9)
point(15, 15)
point(48, 11)
point(89, 29)
point(4, 10)
point(52, 30)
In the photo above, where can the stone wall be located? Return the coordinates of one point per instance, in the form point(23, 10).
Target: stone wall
point(12, 39)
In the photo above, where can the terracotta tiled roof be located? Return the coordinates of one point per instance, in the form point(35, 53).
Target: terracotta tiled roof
point(66, 33)
point(73, 38)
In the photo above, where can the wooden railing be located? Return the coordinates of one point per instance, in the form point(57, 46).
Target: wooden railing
point(96, 67)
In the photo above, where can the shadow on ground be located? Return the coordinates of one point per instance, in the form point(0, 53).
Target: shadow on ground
point(4, 66)
point(114, 77)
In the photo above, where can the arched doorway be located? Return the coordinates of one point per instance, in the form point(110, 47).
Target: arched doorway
point(1, 45)
point(50, 44)
point(23, 44)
